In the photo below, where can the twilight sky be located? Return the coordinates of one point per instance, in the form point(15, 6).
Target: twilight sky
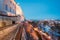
point(40, 9)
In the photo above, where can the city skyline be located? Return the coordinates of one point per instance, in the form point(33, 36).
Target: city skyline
point(40, 9)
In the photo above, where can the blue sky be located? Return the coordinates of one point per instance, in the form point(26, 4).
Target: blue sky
point(40, 9)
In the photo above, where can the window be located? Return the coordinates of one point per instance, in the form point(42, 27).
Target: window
point(13, 11)
point(10, 9)
point(6, 7)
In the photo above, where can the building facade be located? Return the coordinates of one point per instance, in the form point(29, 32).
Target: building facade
point(9, 12)
point(19, 12)
point(8, 7)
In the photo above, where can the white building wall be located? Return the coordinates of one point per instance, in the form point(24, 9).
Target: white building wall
point(19, 12)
